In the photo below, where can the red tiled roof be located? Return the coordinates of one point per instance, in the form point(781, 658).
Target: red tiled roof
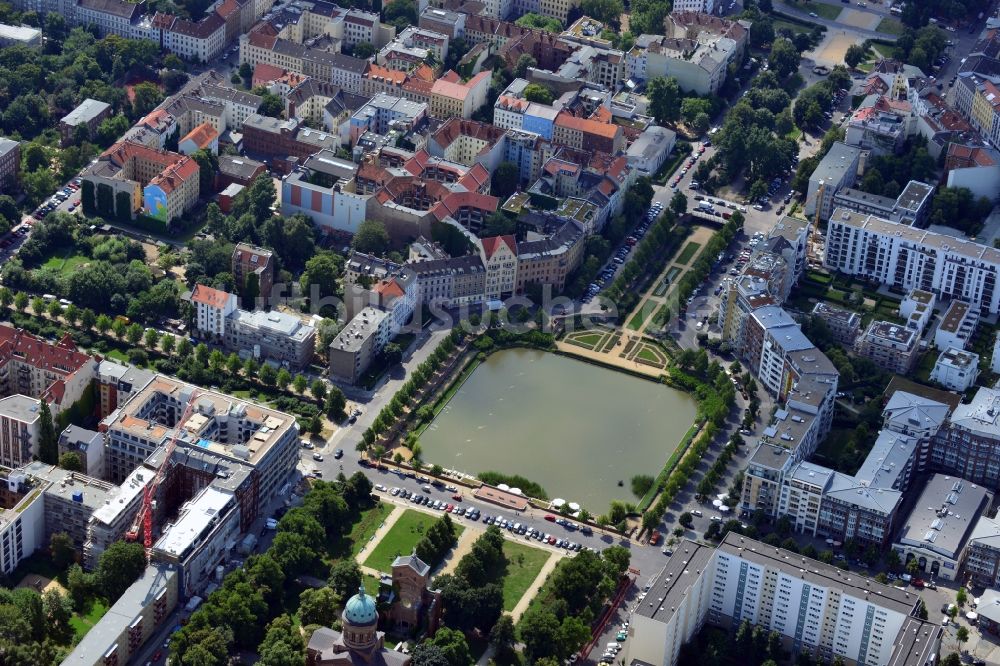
point(227, 8)
point(424, 73)
point(388, 75)
point(264, 73)
point(215, 298)
point(453, 202)
point(586, 126)
point(175, 175)
point(389, 288)
point(203, 135)
point(492, 244)
point(62, 359)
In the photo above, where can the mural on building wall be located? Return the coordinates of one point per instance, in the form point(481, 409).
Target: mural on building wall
point(155, 203)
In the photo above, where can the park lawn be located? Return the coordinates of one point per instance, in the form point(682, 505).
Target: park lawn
point(640, 317)
point(523, 565)
point(587, 340)
point(795, 28)
point(82, 623)
point(890, 26)
point(367, 525)
point(117, 354)
point(648, 355)
point(829, 12)
point(687, 253)
point(402, 539)
point(65, 263)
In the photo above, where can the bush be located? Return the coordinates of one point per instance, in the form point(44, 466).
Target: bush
point(527, 486)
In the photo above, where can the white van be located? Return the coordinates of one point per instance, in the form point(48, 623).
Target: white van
point(613, 646)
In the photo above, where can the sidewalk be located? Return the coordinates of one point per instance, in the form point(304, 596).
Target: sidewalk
point(383, 529)
point(535, 586)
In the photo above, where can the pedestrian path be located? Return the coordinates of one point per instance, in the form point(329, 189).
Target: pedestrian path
point(383, 529)
point(536, 585)
point(627, 347)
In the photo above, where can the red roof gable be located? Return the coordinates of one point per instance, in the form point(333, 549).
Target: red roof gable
point(492, 244)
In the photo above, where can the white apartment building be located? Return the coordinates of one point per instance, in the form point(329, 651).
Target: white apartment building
point(906, 258)
point(956, 369)
point(958, 324)
point(814, 606)
point(703, 6)
point(212, 309)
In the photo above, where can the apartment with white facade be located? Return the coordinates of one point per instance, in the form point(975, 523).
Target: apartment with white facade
point(212, 309)
point(904, 257)
point(956, 369)
point(814, 606)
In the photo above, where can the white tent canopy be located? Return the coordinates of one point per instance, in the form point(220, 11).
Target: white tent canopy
point(558, 502)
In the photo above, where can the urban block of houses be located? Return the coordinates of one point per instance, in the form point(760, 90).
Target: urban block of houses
point(696, 48)
point(168, 183)
point(958, 325)
point(843, 614)
point(32, 370)
point(917, 308)
point(844, 324)
point(956, 369)
point(949, 267)
point(912, 206)
point(89, 114)
point(891, 346)
point(275, 336)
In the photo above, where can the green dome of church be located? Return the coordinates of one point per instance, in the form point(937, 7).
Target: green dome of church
point(360, 610)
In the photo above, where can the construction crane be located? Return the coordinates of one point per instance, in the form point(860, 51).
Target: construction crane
point(144, 518)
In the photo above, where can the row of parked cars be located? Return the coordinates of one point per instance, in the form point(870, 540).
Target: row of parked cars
point(621, 255)
point(59, 197)
point(531, 533)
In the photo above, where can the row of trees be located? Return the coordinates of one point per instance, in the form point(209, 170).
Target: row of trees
point(246, 612)
point(397, 408)
point(559, 625)
point(813, 102)
point(439, 539)
point(715, 473)
point(472, 597)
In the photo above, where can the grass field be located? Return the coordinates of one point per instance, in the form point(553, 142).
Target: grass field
point(648, 355)
point(365, 528)
point(65, 263)
point(117, 354)
point(523, 565)
point(687, 253)
point(402, 538)
point(829, 12)
point(640, 317)
point(587, 340)
point(82, 623)
point(890, 26)
point(795, 28)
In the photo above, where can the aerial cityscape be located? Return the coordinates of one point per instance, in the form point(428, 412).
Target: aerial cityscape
point(499, 332)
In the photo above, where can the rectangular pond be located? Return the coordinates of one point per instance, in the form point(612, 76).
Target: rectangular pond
point(576, 429)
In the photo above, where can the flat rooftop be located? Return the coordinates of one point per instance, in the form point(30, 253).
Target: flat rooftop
point(262, 426)
point(276, 323)
point(668, 589)
point(944, 516)
point(196, 517)
point(835, 313)
point(352, 337)
point(954, 316)
point(886, 330)
point(818, 573)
